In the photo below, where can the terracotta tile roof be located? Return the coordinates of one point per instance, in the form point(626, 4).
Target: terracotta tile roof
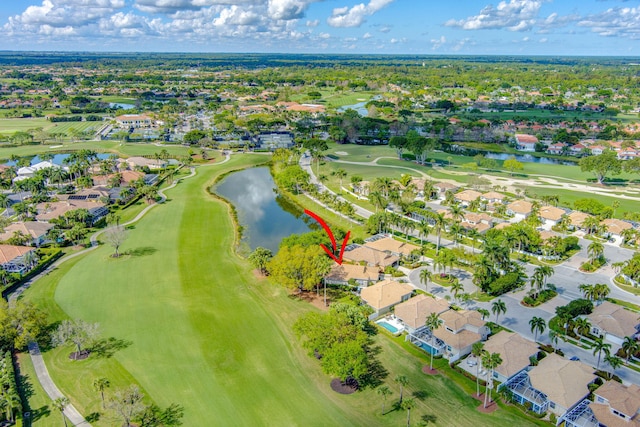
point(392, 245)
point(614, 319)
point(522, 138)
point(467, 195)
point(345, 272)
point(551, 213)
point(457, 341)
point(444, 186)
point(577, 218)
point(385, 293)
point(514, 351)
point(50, 210)
point(564, 381)
point(492, 195)
point(520, 206)
point(414, 311)
point(370, 256)
point(457, 320)
point(616, 226)
point(34, 229)
point(625, 399)
point(502, 225)
point(10, 252)
point(606, 418)
point(546, 235)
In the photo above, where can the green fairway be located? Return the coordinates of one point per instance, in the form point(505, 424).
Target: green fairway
point(9, 126)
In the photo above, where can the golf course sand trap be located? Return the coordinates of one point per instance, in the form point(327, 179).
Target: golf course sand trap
point(342, 153)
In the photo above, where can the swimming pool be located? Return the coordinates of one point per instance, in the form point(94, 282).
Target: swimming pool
point(389, 327)
point(426, 347)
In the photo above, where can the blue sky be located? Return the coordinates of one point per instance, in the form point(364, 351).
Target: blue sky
point(470, 27)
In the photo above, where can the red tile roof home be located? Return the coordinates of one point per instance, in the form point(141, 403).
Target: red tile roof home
point(386, 293)
point(551, 213)
point(577, 218)
point(616, 226)
point(612, 399)
point(414, 311)
point(520, 207)
point(467, 195)
point(524, 138)
point(9, 253)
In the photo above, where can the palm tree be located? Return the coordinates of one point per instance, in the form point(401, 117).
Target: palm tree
point(474, 236)
point(477, 349)
point(595, 251)
point(440, 223)
point(598, 347)
point(490, 361)
point(601, 292)
point(378, 200)
point(384, 391)
point(538, 325)
point(60, 403)
point(591, 224)
point(423, 230)
point(588, 291)
point(581, 325)
point(425, 278)
point(408, 404)
point(498, 307)
point(539, 278)
point(433, 322)
point(553, 338)
point(456, 213)
point(564, 224)
point(100, 384)
point(630, 346)
point(613, 361)
point(403, 381)
point(341, 174)
point(456, 287)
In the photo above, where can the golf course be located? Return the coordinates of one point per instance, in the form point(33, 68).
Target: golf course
point(184, 318)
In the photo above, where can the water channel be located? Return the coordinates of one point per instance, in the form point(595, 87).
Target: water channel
point(265, 216)
point(528, 158)
point(58, 159)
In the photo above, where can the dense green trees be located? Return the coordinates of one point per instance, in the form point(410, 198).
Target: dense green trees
point(602, 166)
point(299, 267)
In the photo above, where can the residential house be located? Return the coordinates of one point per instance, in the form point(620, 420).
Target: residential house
point(134, 121)
point(613, 322)
point(13, 258)
point(36, 231)
point(384, 295)
point(596, 150)
point(372, 257)
point(362, 188)
point(465, 197)
point(577, 149)
point(459, 331)
point(50, 210)
point(557, 148)
point(576, 219)
point(414, 312)
point(615, 404)
point(519, 210)
point(126, 177)
point(30, 171)
point(493, 197)
point(525, 142)
point(442, 187)
point(481, 222)
point(550, 215)
point(345, 273)
point(515, 352)
point(615, 227)
point(392, 246)
point(136, 162)
point(555, 384)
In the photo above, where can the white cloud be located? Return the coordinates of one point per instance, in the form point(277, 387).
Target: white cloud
point(236, 16)
point(616, 22)
point(516, 15)
point(324, 35)
point(356, 15)
point(288, 9)
point(366, 36)
point(313, 24)
point(437, 43)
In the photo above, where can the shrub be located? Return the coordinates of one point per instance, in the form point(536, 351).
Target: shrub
point(506, 283)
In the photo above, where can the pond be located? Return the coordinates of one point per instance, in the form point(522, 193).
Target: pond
point(359, 107)
point(57, 159)
point(528, 158)
point(121, 105)
point(265, 216)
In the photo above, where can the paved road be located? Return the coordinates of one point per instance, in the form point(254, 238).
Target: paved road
point(50, 388)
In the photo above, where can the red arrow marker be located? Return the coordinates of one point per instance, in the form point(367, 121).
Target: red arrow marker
point(329, 252)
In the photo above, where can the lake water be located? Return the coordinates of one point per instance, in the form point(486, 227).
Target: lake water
point(528, 158)
point(266, 217)
point(359, 107)
point(121, 105)
point(57, 159)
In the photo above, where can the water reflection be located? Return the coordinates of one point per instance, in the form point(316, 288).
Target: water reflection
point(266, 217)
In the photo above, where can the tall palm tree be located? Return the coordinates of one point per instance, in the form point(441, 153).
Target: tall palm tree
point(538, 325)
point(600, 346)
point(456, 213)
point(581, 325)
point(433, 322)
point(595, 251)
point(588, 291)
point(440, 224)
point(563, 224)
point(614, 362)
point(100, 384)
point(456, 288)
point(591, 224)
point(385, 392)
point(423, 230)
point(341, 174)
point(60, 403)
point(474, 235)
point(601, 292)
point(477, 349)
point(378, 200)
point(498, 307)
point(630, 346)
point(539, 278)
point(425, 277)
point(553, 338)
point(490, 361)
point(408, 405)
point(403, 381)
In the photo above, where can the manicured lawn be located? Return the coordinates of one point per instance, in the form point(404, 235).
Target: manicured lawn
point(197, 328)
point(9, 126)
point(42, 412)
point(65, 127)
